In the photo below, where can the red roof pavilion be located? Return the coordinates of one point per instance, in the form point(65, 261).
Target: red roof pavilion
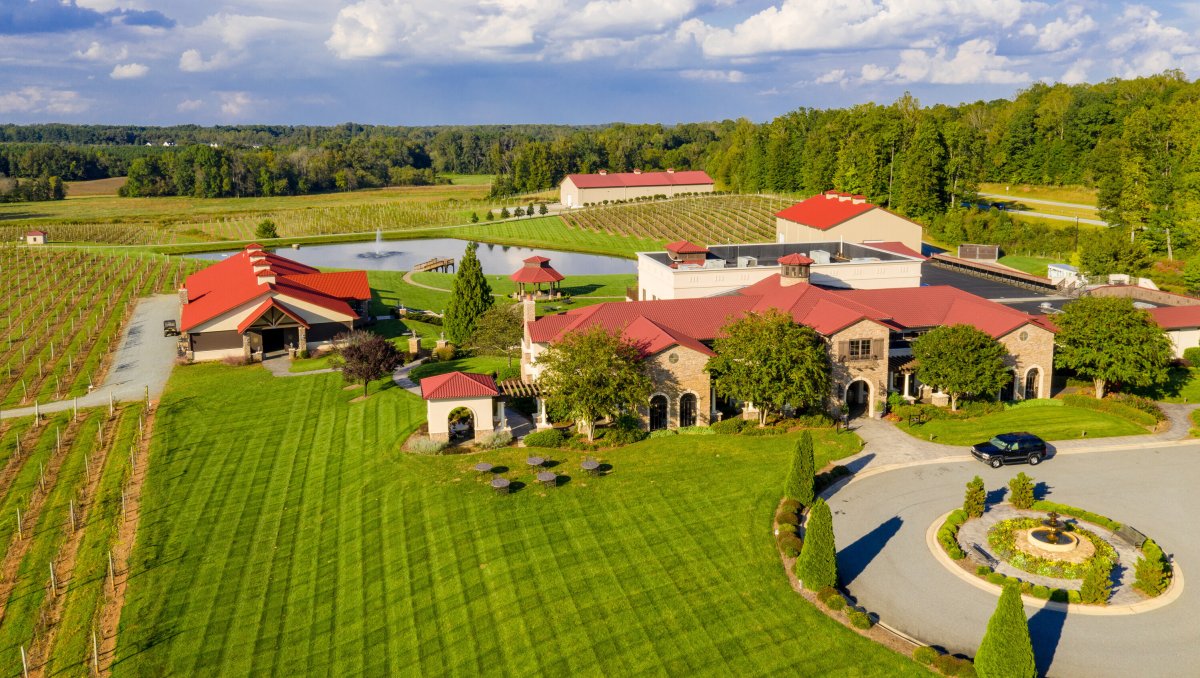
point(458, 385)
point(536, 271)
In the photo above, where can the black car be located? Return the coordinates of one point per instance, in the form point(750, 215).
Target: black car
point(1010, 448)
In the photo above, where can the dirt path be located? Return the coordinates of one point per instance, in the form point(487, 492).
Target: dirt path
point(110, 613)
point(64, 561)
point(20, 546)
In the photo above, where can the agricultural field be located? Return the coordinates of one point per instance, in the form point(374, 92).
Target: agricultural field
point(704, 219)
point(62, 312)
point(285, 533)
point(68, 490)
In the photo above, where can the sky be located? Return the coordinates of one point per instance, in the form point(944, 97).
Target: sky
point(426, 62)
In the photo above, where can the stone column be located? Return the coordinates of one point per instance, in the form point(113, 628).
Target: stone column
point(246, 347)
point(907, 382)
point(302, 343)
point(501, 422)
point(414, 345)
point(541, 415)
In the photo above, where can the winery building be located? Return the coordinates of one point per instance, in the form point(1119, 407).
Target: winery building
point(578, 190)
point(844, 217)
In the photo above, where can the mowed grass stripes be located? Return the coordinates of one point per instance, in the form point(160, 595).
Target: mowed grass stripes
point(284, 533)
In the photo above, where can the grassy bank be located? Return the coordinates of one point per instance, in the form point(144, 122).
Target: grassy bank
point(1050, 423)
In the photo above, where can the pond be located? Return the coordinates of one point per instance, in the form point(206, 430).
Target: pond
point(402, 255)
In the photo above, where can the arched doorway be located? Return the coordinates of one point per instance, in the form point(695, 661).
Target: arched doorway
point(1032, 377)
point(658, 412)
point(858, 398)
point(687, 410)
point(461, 422)
point(1009, 390)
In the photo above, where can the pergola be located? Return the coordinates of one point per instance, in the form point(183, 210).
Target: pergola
point(536, 271)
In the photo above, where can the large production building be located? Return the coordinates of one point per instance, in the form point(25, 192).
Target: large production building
point(844, 217)
point(577, 190)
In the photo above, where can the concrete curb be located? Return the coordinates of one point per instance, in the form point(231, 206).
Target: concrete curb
point(1169, 596)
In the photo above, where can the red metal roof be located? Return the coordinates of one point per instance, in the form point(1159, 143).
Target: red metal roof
point(340, 284)
point(458, 385)
point(540, 274)
point(35, 233)
point(263, 308)
point(685, 247)
point(826, 210)
point(896, 248)
point(631, 179)
point(1176, 317)
point(796, 259)
point(232, 282)
point(536, 260)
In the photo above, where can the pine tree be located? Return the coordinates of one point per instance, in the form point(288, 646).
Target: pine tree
point(1006, 650)
point(470, 296)
point(817, 565)
point(976, 498)
point(1020, 491)
point(801, 475)
point(1097, 582)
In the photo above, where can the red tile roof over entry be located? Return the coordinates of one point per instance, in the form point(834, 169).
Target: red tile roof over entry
point(824, 212)
point(458, 385)
point(623, 179)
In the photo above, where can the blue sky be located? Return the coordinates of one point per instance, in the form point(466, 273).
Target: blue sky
point(557, 61)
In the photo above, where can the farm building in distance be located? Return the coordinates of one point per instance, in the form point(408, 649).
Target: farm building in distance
point(845, 217)
point(36, 237)
point(577, 190)
point(255, 303)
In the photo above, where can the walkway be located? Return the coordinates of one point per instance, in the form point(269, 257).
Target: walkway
point(280, 364)
point(144, 359)
point(881, 522)
point(401, 378)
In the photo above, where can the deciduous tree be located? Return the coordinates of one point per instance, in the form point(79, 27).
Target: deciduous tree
point(1110, 251)
point(266, 229)
point(363, 356)
point(470, 297)
point(592, 375)
point(499, 331)
point(1108, 340)
point(1006, 650)
point(961, 360)
point(770, 361)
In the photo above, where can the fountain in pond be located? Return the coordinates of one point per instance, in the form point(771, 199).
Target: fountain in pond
point(1052, 536)
point(379, 252)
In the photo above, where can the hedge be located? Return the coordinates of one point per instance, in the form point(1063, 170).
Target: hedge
point(1113, 406)
point(947, 534)
point(551, 437)
point(1074, 512)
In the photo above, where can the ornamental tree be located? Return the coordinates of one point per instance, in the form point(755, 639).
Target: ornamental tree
point(1097, 582)
point(499, 331)
point(470, 297)
point(817, 565)
point(363, 356)
point(1020, 491)
point(801, 476)
point(770, 361)
point(592, 375)
point(975, 500)
point(1006, 650)
point(1108, 340)
point(961, 360)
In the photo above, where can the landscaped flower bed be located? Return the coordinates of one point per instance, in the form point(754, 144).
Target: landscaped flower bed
point(1002, 539)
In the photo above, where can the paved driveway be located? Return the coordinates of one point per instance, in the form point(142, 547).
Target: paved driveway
point(144, 358)
point(881, 520)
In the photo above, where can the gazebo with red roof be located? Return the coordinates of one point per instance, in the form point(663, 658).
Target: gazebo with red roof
point(536, 271)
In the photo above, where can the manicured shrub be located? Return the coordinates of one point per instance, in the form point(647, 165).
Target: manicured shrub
point(836, 603)
point(1151, 570)
point(1192, 355)
point(956, 518)
point(825, 594)
point(695, 431)
point(817, 565)
point(1020, 491)
point(787, 518)
point(1074, 597)
point(624, 436)
point(860, 619)
point(1097, 582)
point(790, 544)
point(800, 477)
point(976, 498)
point(1006, 650)
point(663, 433)
point(729, 426)
point(790, 505)
point(424, 445)
point(925, 655)
point(492, 441)
point(445, 353)
point(1042, 592)
point(1127, 407)
point(1060, 596)
point(996, 578)
point(949, 665)
point(764, 431)
point(983, 570)
point(1026, 588)
point(551, 437)
point(1065, 510)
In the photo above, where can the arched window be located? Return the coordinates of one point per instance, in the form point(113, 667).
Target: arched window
point(1032, 377)
point(658, 412)
point(687, 410)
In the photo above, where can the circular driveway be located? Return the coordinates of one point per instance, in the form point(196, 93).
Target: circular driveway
point(881, 520)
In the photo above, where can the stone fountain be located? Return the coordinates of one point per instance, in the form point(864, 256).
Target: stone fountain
point(1052, 536)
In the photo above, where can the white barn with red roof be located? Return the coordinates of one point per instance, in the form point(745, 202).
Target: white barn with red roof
point(844, 217)
point(255, 302)
point(578, 190)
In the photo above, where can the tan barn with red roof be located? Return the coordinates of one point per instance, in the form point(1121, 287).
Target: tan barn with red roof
point(844, 217)
point(254, 303)
point(578, 190)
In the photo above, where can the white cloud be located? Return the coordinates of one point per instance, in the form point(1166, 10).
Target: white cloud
point(712, 75)
point(235, 104)
point(600, 16)
point(975, 61)
point(129, 71)
point(192, 61)
point(189, 105)
point(98, 52)
point(835, 77)
point(1143, 45)
point(1063, 31)
point(810, 25)
point(42, 100)
point(1077, 73)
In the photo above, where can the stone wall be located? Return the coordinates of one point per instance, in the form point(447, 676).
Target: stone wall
point(873, 370)
point(1030, 346)
point(673, 379)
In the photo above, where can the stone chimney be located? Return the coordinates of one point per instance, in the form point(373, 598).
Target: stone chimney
point(636, 171)
point(603, 173)
point(528, 310)
point(183, 295)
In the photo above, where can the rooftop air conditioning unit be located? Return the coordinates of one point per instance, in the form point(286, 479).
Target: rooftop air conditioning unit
point(747, 262)
point(714, 263)
point(819, 256)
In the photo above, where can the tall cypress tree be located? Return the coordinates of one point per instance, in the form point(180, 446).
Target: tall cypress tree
point(817, 564)
point(1006, 650)
point(800, 477)
point(470, 296)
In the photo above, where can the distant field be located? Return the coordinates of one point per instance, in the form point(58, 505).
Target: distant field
point(470, 179)
point(1074, 194)
point(86, 189)
point(705, 220)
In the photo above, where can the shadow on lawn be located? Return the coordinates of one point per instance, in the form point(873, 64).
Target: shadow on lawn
point(853, 559)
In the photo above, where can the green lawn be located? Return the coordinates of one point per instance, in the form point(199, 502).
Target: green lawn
point(1034, 265)
point(392, 329)
point(470, 179)
point(1051, 423)
point(483, 364)
point(388, 289)
point(284, 533)
point(1080, 195)
point(1183, 386)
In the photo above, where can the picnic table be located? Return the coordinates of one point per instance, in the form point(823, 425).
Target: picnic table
point(547, 478)
point(500, 485)
point(591, 466)
point(535, 461)
point(483, 467)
